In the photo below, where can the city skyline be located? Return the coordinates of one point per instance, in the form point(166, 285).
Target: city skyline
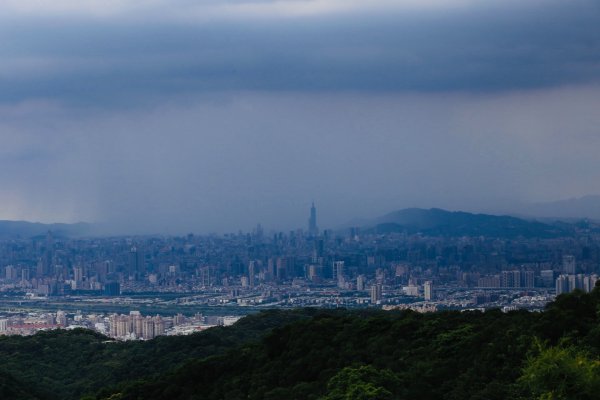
point(583, 210)
point(494, 262)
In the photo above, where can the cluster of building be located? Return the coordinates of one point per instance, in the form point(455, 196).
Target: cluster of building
point(568, 283)
point(299, 268)
point(132, 326)
point(136, 327)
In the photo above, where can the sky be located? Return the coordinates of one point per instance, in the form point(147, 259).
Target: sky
point(200, 116)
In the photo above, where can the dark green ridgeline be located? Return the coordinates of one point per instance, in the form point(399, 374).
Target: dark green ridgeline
point(321, 354)
point(438, 222)
point(72, 364)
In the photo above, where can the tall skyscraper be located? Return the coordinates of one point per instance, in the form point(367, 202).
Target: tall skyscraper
point(338, 271)
point(313, 230)
point(137, 266)
point(251, 274)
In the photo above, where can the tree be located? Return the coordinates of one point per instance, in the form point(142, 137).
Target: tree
point(362, 383)
point(558, 373)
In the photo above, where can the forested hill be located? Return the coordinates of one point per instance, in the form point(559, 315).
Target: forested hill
point(327, 355)
point(10, 388)
point(25, 229)
point(437, 222)
point(405, 355)
point(64, 365)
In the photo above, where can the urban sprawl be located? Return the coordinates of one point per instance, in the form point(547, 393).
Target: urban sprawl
point(145, 286)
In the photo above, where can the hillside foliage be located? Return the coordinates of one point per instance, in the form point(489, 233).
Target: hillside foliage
point(326, 355)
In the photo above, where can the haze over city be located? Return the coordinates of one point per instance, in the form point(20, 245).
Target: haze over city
point(299, 199)
point(169, 117)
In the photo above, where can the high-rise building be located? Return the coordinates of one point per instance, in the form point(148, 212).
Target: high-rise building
point(527, 279)
point(376, 293)
point(148, 328)
point(489, 281)
point(575, 282)
point(61, 318)
point(179, 319)
point(313, 230)
point(10, 272)
point(428, 291)
point(282, 268)
point(25, 275)
point(251, 273)
point(101, 270)
point(510, 279)
point(562, 284)
point(547, 277)
point(567, 283)
point(311, 272)
point(569, 265)
point(338, 273)
point(138, 325)
point(122, 326)
point(589, 283)
point(137, 264)
point(112, 289)
point(360, 282)
point(78, 274)
point(159, 326)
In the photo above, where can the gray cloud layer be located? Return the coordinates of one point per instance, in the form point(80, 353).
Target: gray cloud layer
point(483, 47)
point(237, 159)
point(162, 122)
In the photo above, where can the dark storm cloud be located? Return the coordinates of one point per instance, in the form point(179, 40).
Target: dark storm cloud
point(244, 158)
point(210, 115)
point(483, 47)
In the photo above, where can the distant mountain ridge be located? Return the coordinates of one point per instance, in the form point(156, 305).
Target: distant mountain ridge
point(24, 229)
point(587, 207)
point(438, 222)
